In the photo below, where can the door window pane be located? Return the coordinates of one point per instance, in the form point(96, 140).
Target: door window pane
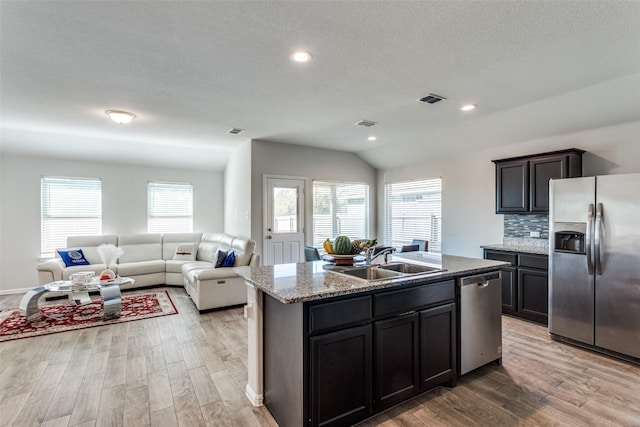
point(285, 210)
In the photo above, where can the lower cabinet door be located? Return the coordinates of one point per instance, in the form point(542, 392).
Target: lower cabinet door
point(437, 346)
point(533, 294)
point(395, 359)
point(509, 290)
point(340, 376)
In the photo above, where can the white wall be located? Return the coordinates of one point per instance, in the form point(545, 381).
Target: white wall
point(124, 205)
point(237, 192)
point(313, 163)
point(468, 180)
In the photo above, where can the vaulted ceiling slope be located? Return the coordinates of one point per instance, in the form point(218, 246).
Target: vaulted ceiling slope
point(190, 71)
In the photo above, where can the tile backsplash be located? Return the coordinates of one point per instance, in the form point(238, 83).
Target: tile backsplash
point(520, 226)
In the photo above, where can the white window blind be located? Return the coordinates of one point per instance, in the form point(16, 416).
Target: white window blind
point(169, 207)
point(413, 211)
point(340, 209)
point(70, 207)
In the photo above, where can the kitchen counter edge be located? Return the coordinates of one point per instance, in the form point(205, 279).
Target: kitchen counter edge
point(308, 281)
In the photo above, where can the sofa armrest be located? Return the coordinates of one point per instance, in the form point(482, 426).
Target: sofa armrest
point(255, 260)
point(213, 274)
point(50, 270)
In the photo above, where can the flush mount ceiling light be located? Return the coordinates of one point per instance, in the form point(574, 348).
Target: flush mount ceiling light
point(366, 123)
point(468, 107)
point(120, 117)
point(301, 56)
point(372, 138)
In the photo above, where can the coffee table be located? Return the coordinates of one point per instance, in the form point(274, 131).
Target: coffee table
point(76, 295)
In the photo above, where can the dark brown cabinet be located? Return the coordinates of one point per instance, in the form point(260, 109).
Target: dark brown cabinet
point(336, 362)
point(437, 346)
point(341, 376)
point(522, 183)
point(525, 284)
point(397, 353)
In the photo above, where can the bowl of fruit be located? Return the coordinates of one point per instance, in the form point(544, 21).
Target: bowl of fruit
point(344, 251)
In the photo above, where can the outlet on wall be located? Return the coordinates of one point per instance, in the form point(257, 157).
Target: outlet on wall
point(534, 234)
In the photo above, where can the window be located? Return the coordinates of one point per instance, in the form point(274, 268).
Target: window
point(413, 211)
point(169, 207)
point(70, 207)
point(340, 209)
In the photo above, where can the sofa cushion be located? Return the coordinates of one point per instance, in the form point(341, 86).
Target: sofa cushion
point(174, 266)
point(197, 265)
point(73, 257)
point(210, 242)
point(141, 267)
point(140, 247)
point(170, 240)
point(185, 252)
point(89, 245)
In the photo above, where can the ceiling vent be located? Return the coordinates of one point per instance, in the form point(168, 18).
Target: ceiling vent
point(235, 131)
point(366, 123)
point(431, 98)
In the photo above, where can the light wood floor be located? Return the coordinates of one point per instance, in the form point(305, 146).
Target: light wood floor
point(190, 370)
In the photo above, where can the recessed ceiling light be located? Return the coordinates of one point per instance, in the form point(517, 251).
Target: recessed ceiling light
point(120, 117)
point(372, 138)
point(468, 107)
point(301, 56)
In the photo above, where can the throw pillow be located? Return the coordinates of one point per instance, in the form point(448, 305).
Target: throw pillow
point(185, 252)
point(229, 260)
point(219, 258)
point(73, 257)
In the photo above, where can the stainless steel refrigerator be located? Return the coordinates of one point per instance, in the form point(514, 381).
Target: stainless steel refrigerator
point(594, 263)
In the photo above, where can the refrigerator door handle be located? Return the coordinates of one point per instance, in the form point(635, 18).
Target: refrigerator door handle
point(599, 240)
point(589, 238)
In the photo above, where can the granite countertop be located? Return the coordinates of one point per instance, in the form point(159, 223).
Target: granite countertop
point(521, 248)
point(308, 281)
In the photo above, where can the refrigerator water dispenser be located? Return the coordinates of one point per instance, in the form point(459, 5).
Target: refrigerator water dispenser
point(570, 238)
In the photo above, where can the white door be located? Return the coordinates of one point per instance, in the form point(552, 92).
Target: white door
point(283, 220)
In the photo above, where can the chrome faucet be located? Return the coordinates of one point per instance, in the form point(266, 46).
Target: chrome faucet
point(369, 257)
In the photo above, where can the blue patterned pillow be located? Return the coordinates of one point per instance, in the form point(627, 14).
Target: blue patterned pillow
point(73, 257)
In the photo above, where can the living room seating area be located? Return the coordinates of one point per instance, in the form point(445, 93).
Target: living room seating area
point(175, 259)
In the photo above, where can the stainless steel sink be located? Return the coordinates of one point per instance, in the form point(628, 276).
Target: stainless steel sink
point(409, 268)
point(384, 271)
point(371, 273)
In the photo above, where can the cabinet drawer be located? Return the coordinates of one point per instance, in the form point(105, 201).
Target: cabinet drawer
point(501, 256)
point(534, 261)
point(344, 312)
point(395, 302)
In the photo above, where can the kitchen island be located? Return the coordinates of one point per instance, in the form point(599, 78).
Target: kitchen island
point(329, 349)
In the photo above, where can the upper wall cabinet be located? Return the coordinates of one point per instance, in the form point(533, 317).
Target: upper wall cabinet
point(522, 183)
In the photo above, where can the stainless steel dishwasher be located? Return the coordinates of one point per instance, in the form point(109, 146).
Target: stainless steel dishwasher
point(480, 320)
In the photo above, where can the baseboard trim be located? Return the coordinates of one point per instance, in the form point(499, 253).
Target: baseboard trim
point(14, 291)
point(255, 399)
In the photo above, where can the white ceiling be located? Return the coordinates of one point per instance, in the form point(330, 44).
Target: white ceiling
point(192, 70)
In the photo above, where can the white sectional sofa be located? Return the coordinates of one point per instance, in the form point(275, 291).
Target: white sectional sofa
point(149, 259)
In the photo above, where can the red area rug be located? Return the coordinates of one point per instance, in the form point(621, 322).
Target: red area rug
point(13, 325)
